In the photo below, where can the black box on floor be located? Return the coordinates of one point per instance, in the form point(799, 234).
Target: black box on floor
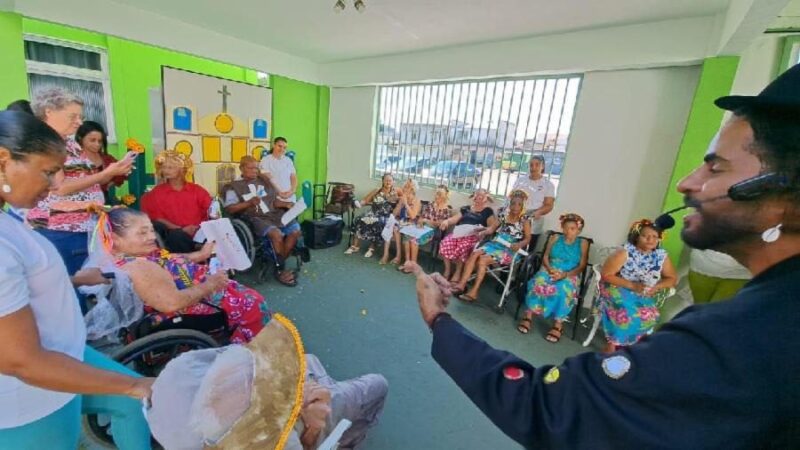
point(322, 233)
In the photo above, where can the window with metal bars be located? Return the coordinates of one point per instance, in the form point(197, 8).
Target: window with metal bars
point(471, 134)
point(81, 69)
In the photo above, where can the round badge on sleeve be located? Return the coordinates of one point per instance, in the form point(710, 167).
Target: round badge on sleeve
point(616, 366)
point(513, 373)
point(552, 375)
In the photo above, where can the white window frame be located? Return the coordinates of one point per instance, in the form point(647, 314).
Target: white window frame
point(60, 70)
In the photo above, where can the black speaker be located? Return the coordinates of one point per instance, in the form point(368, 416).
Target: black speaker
point(322, 233)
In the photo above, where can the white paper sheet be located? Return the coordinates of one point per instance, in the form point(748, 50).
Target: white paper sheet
point(256, 193)
point(293, 212)
point(466, 230)
point(415, 231)
point(228, 248)
point(388, 229)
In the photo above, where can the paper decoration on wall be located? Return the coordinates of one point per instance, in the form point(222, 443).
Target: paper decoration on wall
point(260, 129)
point(182, 118)
point(226, 121)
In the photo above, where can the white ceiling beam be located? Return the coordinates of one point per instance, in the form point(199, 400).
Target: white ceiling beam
point(744, 21)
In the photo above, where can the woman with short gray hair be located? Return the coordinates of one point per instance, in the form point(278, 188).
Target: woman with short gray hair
point(68, 229)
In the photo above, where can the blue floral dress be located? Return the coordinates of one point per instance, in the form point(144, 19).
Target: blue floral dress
point(627, 316)
point(556, 299)
point(507, 234)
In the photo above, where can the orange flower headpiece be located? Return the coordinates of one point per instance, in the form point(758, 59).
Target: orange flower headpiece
point(178, 157)
point(639, 225)
point(518, 193)
point(571, 217)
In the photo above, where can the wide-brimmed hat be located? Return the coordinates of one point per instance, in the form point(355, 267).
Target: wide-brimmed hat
point(782, 93)
point(232, 397)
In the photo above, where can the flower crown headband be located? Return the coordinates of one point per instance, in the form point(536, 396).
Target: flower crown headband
point(639, 225)
point(567, 217)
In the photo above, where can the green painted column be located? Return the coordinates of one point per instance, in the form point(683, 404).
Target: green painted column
point(13, 76)
point(704, 121)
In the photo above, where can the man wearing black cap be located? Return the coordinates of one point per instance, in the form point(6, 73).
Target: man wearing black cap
point(723, 375)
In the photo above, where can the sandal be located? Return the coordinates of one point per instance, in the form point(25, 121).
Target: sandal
point(396, 261)
point(286, 278)
point(524, 325)
point(554, 335)
point(352, 249)
point(467, 298)
point(370, 252)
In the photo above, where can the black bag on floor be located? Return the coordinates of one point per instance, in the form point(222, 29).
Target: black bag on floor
point(322, 233)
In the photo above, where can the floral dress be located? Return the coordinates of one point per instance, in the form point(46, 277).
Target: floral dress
point(370, 226)
point(507, 234)
point(556, 299)
point(429, 212)
point(627, 316)
point(245, 308)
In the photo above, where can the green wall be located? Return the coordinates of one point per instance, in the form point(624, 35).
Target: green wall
point(304, 123)
point(300, 110)
point(13, 76)
point(704, 121)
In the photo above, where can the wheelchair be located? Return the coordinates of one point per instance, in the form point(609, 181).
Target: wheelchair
point(147, 345)
point(534, 263)
point(263, 251)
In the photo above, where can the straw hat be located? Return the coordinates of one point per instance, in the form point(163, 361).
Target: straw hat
point(233, 397)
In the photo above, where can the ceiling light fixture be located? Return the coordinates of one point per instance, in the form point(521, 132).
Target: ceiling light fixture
point(359, 5)
point(339, 6)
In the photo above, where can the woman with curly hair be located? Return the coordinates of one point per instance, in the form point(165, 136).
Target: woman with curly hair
point(630, 279)
point(553, 291)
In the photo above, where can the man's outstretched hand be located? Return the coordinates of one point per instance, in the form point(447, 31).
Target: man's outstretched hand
point(433, 292)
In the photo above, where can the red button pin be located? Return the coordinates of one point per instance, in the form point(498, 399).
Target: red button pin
point(513, 373)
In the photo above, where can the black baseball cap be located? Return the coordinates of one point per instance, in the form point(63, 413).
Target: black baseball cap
point(782, 93)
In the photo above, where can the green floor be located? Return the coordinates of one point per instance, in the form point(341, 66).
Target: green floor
point(360, 317)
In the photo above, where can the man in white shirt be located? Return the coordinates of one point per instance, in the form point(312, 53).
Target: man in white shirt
point(541, 194)
point(280, 170)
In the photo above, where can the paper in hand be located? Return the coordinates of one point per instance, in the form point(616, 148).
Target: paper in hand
point(466, 230)
point(293, 212)
point(227, 246)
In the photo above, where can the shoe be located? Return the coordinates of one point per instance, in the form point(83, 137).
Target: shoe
point(352, 249)
point(369, 253)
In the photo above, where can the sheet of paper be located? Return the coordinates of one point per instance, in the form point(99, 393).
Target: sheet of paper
point(262, 206)
point(388, 229)
point(415, 231)
point(228, 248)
point(293, 212)
point(466, 230)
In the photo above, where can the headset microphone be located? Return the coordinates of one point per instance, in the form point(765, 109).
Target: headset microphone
point(749, 189)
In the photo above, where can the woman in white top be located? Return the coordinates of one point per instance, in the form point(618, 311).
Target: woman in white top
point(45, 361)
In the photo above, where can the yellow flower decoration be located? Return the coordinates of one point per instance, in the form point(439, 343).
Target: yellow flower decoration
point(128, 199)
point(164, 254)
point(134, 145)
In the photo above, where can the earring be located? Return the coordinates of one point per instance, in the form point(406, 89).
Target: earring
point(6, 188)
point(771, 235)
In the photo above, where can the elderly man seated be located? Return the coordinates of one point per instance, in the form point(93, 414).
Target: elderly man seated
point(254, 198)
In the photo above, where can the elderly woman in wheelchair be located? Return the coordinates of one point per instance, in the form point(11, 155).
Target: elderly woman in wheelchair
point(553, 291)
point(511, 233)
point(179, 283)
point(631, 279)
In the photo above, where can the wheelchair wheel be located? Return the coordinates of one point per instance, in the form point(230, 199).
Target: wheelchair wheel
point(147, 356)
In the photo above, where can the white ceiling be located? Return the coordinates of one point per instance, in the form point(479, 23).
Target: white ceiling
point(311, 29)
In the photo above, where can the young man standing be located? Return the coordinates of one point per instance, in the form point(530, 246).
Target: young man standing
point(280, 170)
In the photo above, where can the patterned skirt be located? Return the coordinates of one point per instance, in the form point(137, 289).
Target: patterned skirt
point(626, 316)
point(547, 298)
point(500, 253)
point(457, 249)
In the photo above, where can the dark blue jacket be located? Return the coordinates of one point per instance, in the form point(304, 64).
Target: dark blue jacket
point(718, 376)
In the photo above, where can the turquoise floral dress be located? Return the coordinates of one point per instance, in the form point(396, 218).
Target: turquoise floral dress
point(627, 316)
point(556, 299)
